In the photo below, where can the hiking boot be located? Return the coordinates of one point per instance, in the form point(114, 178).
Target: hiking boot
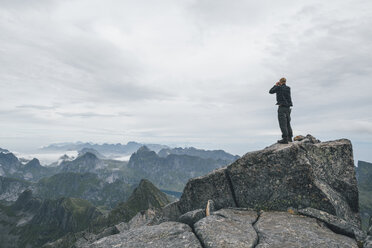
point(283, 141)
point(290, 139)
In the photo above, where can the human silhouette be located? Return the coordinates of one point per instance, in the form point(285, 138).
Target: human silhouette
point(283, 99)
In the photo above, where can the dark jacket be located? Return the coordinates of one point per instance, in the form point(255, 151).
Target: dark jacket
point(283, 95)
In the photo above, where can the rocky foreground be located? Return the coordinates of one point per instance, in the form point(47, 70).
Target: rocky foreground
point(303, 194)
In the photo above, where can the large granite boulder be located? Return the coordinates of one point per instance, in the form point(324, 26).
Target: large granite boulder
point(170, 212)
point(281, 229)
point(164, 235)
point(305, 173)
point(191, 217)
point(142, 218)
point(199, 190)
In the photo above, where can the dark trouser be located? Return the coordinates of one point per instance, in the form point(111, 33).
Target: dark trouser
point(284, 117)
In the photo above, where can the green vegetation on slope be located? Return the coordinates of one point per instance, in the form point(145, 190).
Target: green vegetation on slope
point(55, 218)
point(86, 186)
point(145, 196)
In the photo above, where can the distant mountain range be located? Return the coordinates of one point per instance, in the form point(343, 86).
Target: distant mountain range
point(301, 194)
point(92, 191)
point(172, 172)
point(40, 220)
point(168, 170)
point(82, 198)
point(86, 186)
point(191, 151)
point(104, 149)
point(11, 166)
point(145, 196)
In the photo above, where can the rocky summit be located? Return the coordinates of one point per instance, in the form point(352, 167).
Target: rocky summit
point(301, 194)
point(305, 173)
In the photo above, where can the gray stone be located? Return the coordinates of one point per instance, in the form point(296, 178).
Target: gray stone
point(107, 232)
point(74, 240)
point(238, 214)
point(142, 218)
point(85, 238)
point(191, 217)
point(164, 235)
point(368, 242)
point(335, 223)
point(170, 212)
point(122, 227)
point(281, 229)
point(199, 190)
point(227, 228)
point(299, 174)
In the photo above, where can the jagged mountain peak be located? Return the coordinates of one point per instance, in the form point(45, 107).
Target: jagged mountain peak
point(8, 158)
point(27, 202)
point(143, 149)
point(192, 151)
point(83, 151)
point(24, 197)
point(145, 183)
point(3, 150)
point(88, 162)
point(33, 163)
point(145, 196)
point(64, 157)
point(87, 155)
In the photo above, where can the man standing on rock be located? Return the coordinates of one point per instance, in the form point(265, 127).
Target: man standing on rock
point(283, 98)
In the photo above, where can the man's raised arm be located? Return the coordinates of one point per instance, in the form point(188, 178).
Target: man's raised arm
point(274, 89)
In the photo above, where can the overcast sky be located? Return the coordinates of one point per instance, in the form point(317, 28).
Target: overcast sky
point(183, 73)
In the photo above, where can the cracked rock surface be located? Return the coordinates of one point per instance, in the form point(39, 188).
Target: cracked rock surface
point(281, 229)
point(335, 223)
point(164, 235)
point(227, 228)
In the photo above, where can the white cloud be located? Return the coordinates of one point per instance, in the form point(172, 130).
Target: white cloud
point(182, 72)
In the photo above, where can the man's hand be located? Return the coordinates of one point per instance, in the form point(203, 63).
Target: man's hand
point(277, 83)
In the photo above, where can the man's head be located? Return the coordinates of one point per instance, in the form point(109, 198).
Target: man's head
point(282, 81)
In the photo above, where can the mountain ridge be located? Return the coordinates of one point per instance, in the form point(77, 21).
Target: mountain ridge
point(282, 196)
